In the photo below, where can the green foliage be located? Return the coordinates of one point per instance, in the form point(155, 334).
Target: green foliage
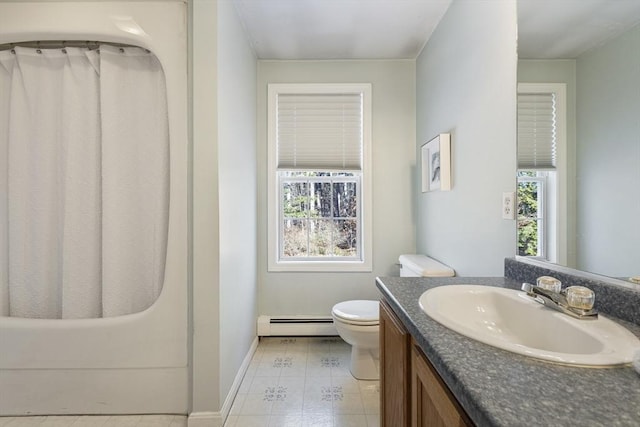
point(527, 218)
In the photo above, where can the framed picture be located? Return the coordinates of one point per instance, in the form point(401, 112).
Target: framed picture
point(436, 164)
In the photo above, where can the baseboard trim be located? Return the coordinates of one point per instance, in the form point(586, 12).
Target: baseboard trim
point(217, 419)
point(237, 382)
point(205, 419)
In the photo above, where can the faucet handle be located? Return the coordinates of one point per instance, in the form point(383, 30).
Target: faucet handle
point(580, 297)
point(549, 283)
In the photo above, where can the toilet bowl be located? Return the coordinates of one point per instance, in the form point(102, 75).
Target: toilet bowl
point(357, 321)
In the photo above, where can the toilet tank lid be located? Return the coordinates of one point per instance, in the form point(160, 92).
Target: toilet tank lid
point(426, 266)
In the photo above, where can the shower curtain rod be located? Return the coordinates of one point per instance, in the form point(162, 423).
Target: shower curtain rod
point(61, 44)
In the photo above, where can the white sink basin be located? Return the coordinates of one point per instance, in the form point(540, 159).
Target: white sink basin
point(510, 320)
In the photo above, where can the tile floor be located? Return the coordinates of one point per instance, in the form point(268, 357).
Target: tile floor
point(302, 382)
point(297, 382)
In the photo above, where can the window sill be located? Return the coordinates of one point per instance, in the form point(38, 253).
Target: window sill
point(320, 266)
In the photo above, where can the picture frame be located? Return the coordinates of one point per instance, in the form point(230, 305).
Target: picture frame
point(436, 164)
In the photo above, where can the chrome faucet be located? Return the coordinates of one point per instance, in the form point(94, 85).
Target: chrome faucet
point(558, 301)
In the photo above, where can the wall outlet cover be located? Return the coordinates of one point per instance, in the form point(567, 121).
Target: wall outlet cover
point(508, 205)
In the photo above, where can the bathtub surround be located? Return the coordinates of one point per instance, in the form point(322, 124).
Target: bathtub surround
point(111, 364)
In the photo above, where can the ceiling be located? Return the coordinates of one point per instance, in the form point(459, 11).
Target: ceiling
point(339, 29)
point(399, 29)
point(549, 29)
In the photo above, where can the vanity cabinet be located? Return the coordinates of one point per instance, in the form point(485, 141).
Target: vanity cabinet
point(432, 404)
point(411, 391)
point(395, 365)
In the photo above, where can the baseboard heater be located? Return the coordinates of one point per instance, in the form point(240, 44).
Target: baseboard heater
point(299, 326)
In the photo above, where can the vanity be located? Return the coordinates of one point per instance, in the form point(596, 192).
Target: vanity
point(431, 375)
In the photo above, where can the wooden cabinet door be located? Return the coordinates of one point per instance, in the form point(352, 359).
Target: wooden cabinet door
point(395, 382)
point(432, 404)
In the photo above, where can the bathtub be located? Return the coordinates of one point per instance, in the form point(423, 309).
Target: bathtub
point(136, 363)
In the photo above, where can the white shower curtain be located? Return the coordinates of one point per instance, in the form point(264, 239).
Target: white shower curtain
point(85, 191)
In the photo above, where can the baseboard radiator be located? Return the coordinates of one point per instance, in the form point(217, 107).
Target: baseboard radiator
point(300, 326)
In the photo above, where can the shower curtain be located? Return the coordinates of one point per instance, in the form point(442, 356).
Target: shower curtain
point(84, 181)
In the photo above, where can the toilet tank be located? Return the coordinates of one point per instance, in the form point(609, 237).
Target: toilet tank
point(413, 265)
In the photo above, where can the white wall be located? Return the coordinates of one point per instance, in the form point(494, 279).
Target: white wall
point(237, 193)
point(223, 206)
point(608, 157)
point(466, 85)
point(205, 363)
point(393, 137)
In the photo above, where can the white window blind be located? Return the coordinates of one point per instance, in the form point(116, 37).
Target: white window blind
point(319, 131)
point(536, 131)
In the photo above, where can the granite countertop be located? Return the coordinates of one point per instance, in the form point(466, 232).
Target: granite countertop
point(500, 388)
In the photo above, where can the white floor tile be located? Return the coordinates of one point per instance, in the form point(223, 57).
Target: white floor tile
point(317, 420)
point(371, 402)
point(350, 421)
point(255, 404)
point(316, 385)
point(260, 384)
point(288, 404)
point(316, 405)
point(268, 366)
point(252, 421)
point(348, 383)
point(285, 421)
point(348, 403)
point(293, 384)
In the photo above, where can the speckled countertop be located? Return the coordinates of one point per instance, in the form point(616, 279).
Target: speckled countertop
point(499, 388)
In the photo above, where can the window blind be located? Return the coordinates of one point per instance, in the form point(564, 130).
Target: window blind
point(319, 131)
point(536, 131)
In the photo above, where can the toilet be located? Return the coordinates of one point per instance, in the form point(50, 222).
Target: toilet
point(357, 321)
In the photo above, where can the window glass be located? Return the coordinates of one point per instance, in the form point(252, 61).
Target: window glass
point(320, 213)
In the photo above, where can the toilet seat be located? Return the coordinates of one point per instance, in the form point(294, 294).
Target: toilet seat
point(357, 312)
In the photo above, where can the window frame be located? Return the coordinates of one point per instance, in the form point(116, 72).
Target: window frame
point(275, 217)
point(556, 234)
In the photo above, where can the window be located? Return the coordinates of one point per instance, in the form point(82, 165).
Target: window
point(541, 170)
point(531, 213)
point(319, 177)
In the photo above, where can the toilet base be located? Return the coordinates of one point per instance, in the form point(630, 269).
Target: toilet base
point(365, 363)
